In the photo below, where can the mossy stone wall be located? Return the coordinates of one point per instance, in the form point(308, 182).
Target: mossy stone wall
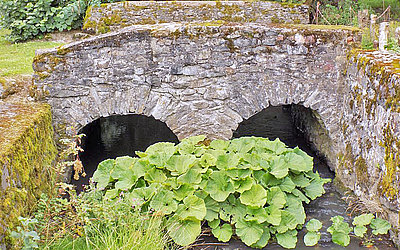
point(113, 16)
point(27, 152)
point(369, 162)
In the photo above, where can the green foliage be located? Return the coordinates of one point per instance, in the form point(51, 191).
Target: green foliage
point(380, 226)
point(340, 231)
point(28, 237)
point(360, 222)
point(340, 13)
point(32, 18)
point(249, 186)
point(312, 237)
point(92, 221)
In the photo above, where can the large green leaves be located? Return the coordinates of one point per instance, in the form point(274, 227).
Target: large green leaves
point(179, 164)
point(249, 231)
point(183, 231)
point(223, 233)
point(219, 186)
point(287, 239)
point(380, 226)
point(340, 231)
point(192, 207)
point(249, 186)
point(312, 237)
point(164, 201)
point(103, 173)
point(256, 196)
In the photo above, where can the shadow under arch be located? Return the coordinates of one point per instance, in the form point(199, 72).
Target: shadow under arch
point(295, 125)
point(118, 135)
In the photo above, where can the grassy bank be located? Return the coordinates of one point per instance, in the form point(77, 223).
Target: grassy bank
point(16, 59)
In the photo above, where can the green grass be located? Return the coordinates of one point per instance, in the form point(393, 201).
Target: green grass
point(16, 59)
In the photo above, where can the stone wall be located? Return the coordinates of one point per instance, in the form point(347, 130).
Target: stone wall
point(27, 150)
point(111, 17)
point(370, 124)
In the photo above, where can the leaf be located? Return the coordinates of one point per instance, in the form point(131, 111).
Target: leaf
point(275, 146)
point(267, 179)
point(288, 239)
point(241, 145)
point(183, 232)
point(219, 186)
point(219, 144)
point(279, 168)
point(214, 223)
point(232, 210)
point(255, 197)
point(287, 185)
point(276, 197)
point(300, 195)
point(315, 189)
point(155, 175)
point(295, 207)
point(192, 207)
point(340, 231)
point(167, 147)
point(360, 230)
point(111, 194)
point(122, 165)
point(242, 185)
point(313, 225)
point(103, 173)
point(263, 241)
point(254, 161)
point(338, 225)
point(164, 201)
point(212, 207)
point(139, 196)
point(300, 180)
point(223, 233)
point(207, 160)
point(194, 139)
point(183, 191)
point(341, 239)
point(249, 231)
point(192, 145)
point(380, 226)
point(192, 176)
point(297, 162)
point(308, 159)
point(179, 164)
point(311, 238)
point(258, 214)
point(363, 219)
point(274, 215)
point(288, 222)
point(227, 161)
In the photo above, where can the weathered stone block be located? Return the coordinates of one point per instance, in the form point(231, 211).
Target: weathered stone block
point(27, 151)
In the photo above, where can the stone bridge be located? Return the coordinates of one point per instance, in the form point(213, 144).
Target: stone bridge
point(207, 77)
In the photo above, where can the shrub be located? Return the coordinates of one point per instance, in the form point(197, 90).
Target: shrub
point(249, 186)
point(32, 18)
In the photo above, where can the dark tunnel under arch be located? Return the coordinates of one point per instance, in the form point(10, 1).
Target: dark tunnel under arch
point(118, 135)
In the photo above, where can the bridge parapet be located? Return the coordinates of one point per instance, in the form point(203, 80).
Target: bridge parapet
point(113, 16)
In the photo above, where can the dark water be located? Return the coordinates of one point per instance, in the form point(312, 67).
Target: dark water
point(123, 135)
point(119, 136)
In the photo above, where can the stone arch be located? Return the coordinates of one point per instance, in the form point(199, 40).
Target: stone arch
point(197, 79)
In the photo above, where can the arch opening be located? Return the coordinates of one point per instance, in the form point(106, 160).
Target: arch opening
point(118, 135)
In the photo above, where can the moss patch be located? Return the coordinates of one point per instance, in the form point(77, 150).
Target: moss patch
point(27, 151)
